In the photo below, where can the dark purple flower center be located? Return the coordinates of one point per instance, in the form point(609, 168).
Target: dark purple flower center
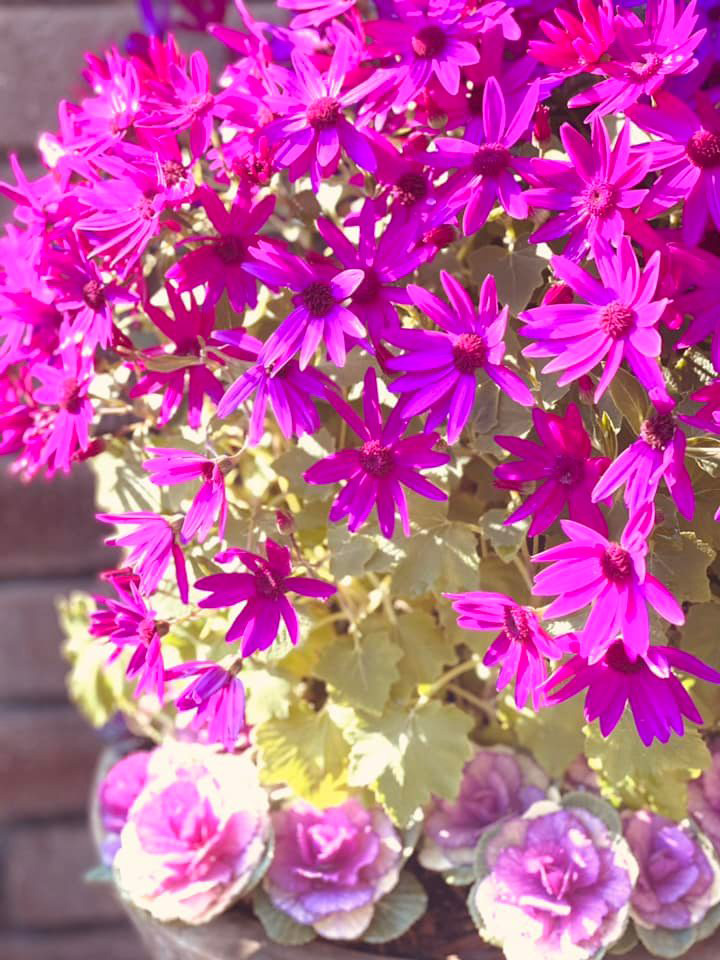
point(469, 352)
point(617, 659)
point(267, 585)
point(146, 208)
point(429, 42)
point(568, 471)
point(201, 103)
point(93, 293)
point(518, 624)
point(230, 248)
point(173, 172)
point(658, 431)
point(188, 348)
point(71, 396)
point(410, 188)
point(646, 68)
point(318, 298)
point(600, 198)
point(376, 458)
point(324, 113)
point(616, 563)
point(703, 149)
point(616, 319)
point(369, 288)
point(146, 631)
point(207, 471)
point(491, 159)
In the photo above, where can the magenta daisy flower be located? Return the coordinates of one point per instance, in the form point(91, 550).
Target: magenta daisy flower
point(617, 323)
point(647, 682)
point(312, 128)
point(288, 390)
point(151, 547)
point(262, 592)
point(64, 386)
point(612, 577)
point(698, 299)
point(219, 262)
point(707, 419)
point(562, 467)
point(657, 454)
point(127, 621)
point(521, 648)
point(429, 43)
point(688, 154)
point(644, 56)
point(209, 506)
point(440, 367)
point(578, 42)
point(589, 193)
point(192, 104)
point(217, 696)
point(486, 165)
point(376, 472)
point(319, 315)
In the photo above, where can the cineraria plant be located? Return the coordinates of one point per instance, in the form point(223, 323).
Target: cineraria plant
point(388, 265)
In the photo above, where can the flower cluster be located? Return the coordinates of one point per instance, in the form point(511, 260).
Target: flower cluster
point(409, 311)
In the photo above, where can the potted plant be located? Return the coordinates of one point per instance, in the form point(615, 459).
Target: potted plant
point(394, 350)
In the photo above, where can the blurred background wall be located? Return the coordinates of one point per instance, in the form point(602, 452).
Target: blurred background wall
point(49, 545)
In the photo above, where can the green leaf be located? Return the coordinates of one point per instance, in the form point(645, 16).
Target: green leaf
point(420, 567)
point(699, 636)
point(680, 560)
point(554, 736)
point(654, 777)
point(99, 876)
point(397, 911)
point(517, 273)
point(630, 398)
point(506, 541)
point(307, 751)
point(627, 942)
point(595, 805)
point(280, 927)
point(392, 755)
point(661, 942)
point(361, 670)
point(349, 552)
point(268, 695)
point(293, 464)
point(426, 648)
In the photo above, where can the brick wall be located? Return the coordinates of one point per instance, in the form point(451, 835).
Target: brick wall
point(49, 545)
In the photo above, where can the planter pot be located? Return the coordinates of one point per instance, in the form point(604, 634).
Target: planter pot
point(237, 936)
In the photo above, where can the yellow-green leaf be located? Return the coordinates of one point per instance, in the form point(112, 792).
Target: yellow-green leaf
point(361, 670)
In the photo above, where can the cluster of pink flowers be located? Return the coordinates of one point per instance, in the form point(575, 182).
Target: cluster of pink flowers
point(437, 114)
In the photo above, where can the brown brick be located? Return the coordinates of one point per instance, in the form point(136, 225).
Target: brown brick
point(47, 757)
point(33, 667)
point(44, 884)
point(113, 943)
point(49, 528)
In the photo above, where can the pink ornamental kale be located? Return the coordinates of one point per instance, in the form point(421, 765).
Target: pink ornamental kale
point(376, 472)
point(440, 368)
point(521, 647)
point(562, 467)
point(612, 577)
point(263, 591)
point(331, 867)
point(618, 322)
point(647, 682)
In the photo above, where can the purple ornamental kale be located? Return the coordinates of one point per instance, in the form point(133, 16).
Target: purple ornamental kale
point(319, 315)
point(657, 698)
point(486, 165)
point(263, 591)
point(151, 548)
point(172, 466)
point(613, 577)
point(618, 322)
point(440, 367)
point(376, 472)
point(562, 467)
point(521, 647)
point(590, 192)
